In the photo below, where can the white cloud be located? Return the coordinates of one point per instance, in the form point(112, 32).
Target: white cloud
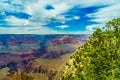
point(37, 8)
point(36, 30)
point(26, 30)
point(4, 6)
point(76, 17)
point(41, 16)
point(105, 14)
point(91, 28)
point(14, 21)
point(63, 26)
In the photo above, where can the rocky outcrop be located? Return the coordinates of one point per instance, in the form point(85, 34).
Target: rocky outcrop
point(40, 69)
point(6, 59)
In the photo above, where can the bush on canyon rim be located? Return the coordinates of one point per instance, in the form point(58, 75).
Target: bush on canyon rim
point(99, 58)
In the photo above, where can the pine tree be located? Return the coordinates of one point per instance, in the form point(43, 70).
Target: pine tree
point(99, 58)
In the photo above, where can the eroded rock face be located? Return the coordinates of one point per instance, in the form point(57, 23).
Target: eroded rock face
point(40, 69)
point(6, 58)
point(45, 46)
point(22, 49)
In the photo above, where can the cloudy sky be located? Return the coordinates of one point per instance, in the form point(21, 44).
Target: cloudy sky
point(56, 16)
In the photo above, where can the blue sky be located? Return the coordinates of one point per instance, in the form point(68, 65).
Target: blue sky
point(56, 16)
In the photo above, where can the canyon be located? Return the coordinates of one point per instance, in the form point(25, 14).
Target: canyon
point(38, 53)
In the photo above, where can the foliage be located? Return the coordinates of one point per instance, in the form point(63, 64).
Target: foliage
point(21, 76)
point(99, 58)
